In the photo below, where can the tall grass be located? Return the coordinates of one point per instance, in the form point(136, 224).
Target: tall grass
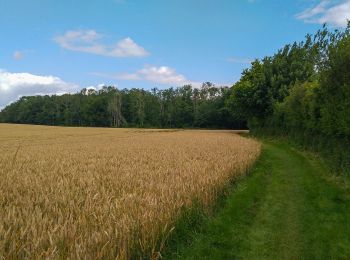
point(106, 193)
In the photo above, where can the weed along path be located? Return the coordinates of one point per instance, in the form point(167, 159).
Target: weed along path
point(288, 208)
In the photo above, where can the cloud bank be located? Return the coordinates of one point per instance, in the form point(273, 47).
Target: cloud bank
point(89, 41)
point(15, 85)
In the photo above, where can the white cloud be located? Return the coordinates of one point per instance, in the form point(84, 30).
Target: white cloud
point(96, 88)
point(89, 41)
point(240, 60)
point(161, 75)
point(335, 13)
point(15, 85)
point(18, 55)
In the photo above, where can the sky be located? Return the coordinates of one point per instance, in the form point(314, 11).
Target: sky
point(62, 46)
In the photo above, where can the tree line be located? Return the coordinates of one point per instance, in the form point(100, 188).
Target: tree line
point(302, 92)
point(182, 107)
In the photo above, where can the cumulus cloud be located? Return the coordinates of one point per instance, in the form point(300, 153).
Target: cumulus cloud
point(161, 75)
point(240, 60)
point(15, 85)
point(335, 13)
point(90, 41)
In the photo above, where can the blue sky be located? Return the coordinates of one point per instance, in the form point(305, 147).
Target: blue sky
point(62, 46)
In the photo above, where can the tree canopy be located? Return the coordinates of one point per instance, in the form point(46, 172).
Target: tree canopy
point(110, 107)
point(303, 91)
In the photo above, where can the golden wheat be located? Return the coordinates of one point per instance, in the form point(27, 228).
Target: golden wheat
point(107, 193)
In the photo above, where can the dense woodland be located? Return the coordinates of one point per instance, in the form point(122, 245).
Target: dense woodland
point(174, 107)
point(303, 92)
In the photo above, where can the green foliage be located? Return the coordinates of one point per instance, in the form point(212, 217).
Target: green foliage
point(303, 91)
point(334, 94)
point(297, 111)
point(250, 98)
point(172, 107)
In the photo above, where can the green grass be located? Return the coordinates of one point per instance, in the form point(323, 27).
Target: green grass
point(289, 207)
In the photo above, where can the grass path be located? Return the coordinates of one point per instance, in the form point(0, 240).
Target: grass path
point(288, 208)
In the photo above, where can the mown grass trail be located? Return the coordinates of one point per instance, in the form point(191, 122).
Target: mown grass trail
point(288, 208)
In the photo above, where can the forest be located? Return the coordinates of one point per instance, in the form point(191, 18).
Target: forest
point(302, 92)
point(182, 107)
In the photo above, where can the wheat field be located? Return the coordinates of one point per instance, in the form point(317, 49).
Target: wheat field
point(107, 193)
